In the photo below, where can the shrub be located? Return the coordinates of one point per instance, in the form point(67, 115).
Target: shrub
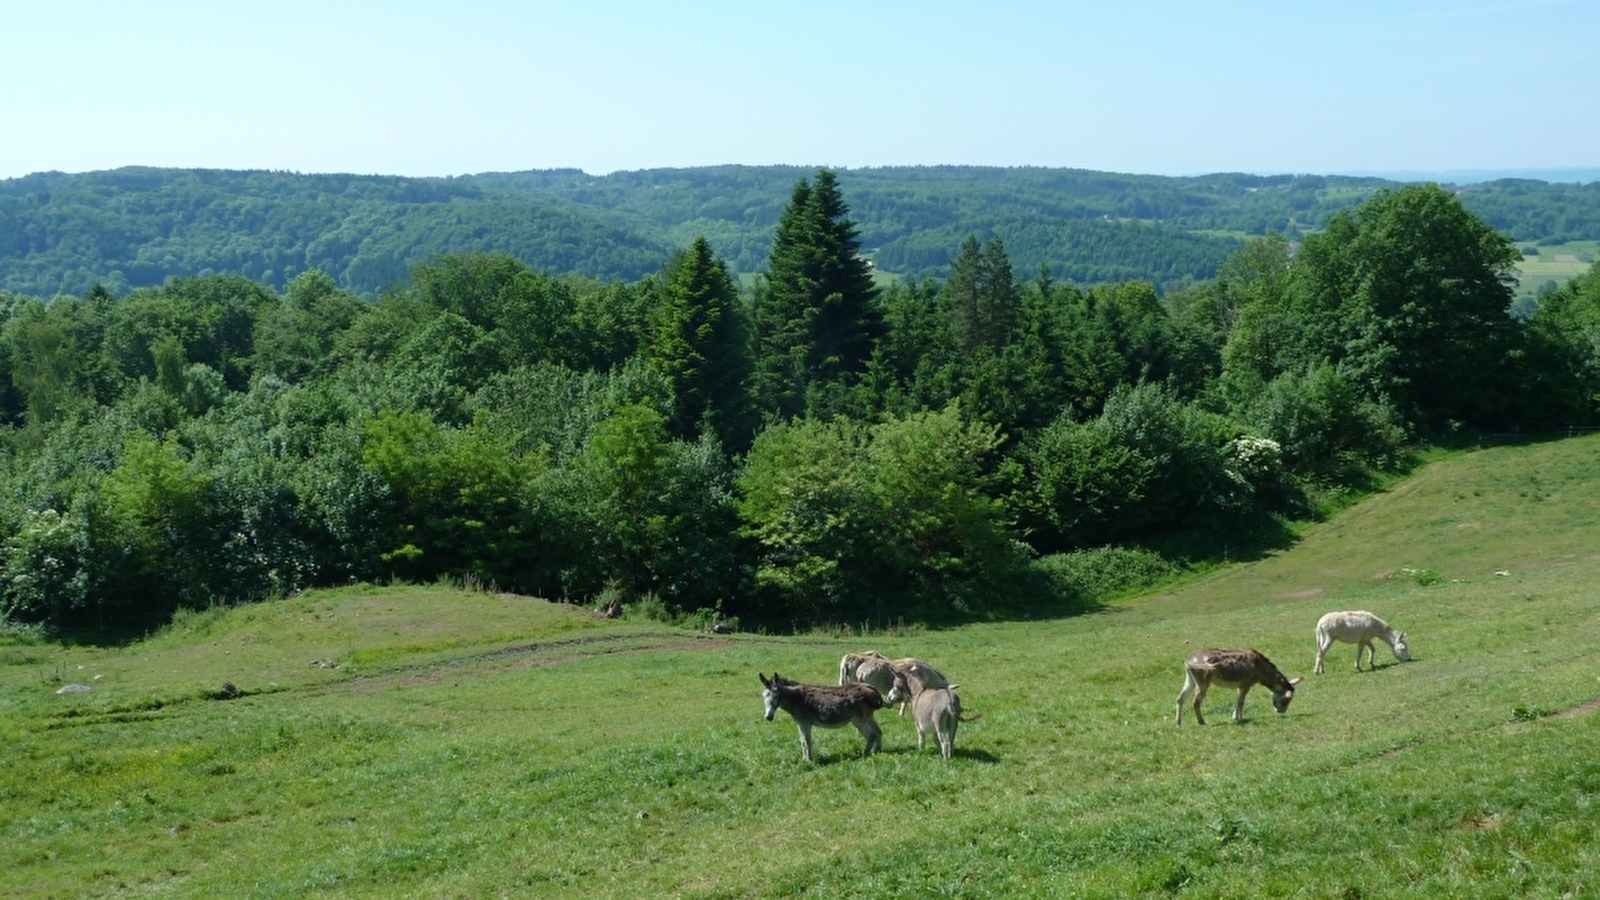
point(1090, 576)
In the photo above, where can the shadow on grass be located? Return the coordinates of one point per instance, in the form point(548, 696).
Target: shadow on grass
point(829, 759)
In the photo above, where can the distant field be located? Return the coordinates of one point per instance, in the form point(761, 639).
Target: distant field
point(427, 742)
point(1557, 263)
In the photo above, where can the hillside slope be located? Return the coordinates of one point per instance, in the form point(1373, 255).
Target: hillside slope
point(386, 742)
point(136, 227)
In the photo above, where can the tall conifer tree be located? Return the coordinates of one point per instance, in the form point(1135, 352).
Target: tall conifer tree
point(985, 306)
point(817, 320)
point(701, 344)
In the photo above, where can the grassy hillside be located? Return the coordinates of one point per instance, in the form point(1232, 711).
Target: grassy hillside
point(424, 742)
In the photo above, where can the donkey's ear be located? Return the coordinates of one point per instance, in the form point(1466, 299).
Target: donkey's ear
point(1295, 681)
point(764, 681)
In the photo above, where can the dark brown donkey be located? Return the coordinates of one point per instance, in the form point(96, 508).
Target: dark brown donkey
point(826, 705)
point(1242, 669)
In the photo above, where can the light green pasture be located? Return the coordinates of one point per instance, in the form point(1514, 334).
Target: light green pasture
point(1559, 263)
point(422, 742)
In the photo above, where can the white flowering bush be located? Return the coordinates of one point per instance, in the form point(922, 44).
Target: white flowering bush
point(1256, 460)
point(42, 570)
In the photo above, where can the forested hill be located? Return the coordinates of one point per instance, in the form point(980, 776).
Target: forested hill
point(136, 227)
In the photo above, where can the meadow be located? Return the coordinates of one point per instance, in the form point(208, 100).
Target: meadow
point(1557, 263)
point(416, 741)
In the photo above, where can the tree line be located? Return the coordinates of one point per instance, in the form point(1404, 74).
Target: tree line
point(135, 227)
point(810, 447)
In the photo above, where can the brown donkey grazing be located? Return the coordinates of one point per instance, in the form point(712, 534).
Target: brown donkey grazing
point(827, 706)
point(1242, 669)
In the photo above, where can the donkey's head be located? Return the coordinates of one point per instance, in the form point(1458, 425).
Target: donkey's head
point(900, 691)
point(771, 692)
point(1401, 651)
point(1280, 699)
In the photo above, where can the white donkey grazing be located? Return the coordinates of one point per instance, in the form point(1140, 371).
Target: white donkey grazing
point(1358, 627)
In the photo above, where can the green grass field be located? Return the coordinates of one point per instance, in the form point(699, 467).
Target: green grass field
point(426, 742)
point(1559, 263)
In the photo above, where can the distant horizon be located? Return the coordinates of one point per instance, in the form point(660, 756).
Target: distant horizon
point(1552, 175)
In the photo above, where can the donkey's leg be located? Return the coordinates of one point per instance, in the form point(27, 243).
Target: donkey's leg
point(1183, 695)
point(1199, 698)
point(1365, 645)
point(805, 740)
point(1324, 641)
point(868, 726)
point(1238, 705)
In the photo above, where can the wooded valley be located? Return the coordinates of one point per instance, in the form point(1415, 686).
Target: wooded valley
point(137, 227)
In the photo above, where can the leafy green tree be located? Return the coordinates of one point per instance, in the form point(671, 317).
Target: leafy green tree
point(375, 335)
point(1439, 282)
point(802, 500)
point(211, 316)
point(295, 337)
point(44, 364)
point(612, 322)
point(155, 521)
point(1149, 462)
point(1564, 351)
point(618, 511)
point(458, 498)
point(553, 409)
point(701, 345)
point(46, 562)
point(941, 540)
point(816, 320)
point(1409, 295)
point(701, 562)
point(1080, 485)
point(1321, 421)
point(858, 520)
point(529, 315)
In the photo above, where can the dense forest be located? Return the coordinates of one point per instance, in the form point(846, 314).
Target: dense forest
point(808, 446)
point(134, 228)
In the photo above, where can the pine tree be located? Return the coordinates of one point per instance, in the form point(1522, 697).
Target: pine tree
point(700, 343)
point(816, 318)
point(985, 306)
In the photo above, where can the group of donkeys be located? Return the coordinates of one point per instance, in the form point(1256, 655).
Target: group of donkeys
point(866, 681)
point(1244, 669)
point(869, 679)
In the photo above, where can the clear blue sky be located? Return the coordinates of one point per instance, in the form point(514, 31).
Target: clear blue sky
point(1184, 87)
